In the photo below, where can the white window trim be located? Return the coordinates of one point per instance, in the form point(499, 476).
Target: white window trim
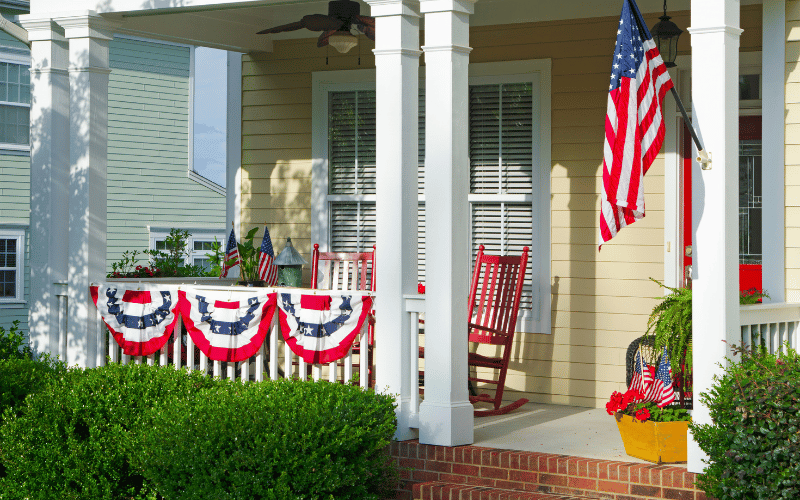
point(200, 233)
point(538, 71)
point(19, 296)
point(15, 56)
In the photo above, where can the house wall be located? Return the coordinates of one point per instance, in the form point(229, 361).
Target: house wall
point(148, 151)
point(792, 179)
point(601, 300)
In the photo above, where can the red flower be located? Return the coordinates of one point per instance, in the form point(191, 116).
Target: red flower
point(643, 414)
point(420, 288)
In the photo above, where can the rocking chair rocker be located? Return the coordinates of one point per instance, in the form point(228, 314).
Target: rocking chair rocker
point(494, 298)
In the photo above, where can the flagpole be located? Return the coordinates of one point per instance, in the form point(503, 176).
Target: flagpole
point(703, 157)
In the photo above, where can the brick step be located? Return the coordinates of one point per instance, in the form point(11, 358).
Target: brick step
point(438, 490)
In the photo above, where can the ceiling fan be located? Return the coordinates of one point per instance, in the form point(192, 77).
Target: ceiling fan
point(343, 15)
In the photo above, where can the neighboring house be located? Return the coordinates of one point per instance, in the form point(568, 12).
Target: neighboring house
point(505, 112)
point(151, 184)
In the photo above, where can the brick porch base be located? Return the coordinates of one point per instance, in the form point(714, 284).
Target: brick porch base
point(472, 472)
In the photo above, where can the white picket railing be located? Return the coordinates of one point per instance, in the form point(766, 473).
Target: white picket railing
point(255, 368)
point(773, 326)
point(414, 306)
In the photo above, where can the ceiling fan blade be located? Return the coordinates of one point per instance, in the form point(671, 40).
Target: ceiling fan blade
point(366, 25)
point(321, 22)
point(286, 27)
point(323, 38)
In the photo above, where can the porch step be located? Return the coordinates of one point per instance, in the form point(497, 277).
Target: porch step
point(438, 490)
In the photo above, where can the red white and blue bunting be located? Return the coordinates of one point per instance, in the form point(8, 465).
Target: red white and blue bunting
point(321, 328)
point(223, 329)
point(141, 321)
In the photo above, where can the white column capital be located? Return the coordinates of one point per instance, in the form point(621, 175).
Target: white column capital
point(383, 8)
point(42, 29)
point(87, 24)
point(706, 30)
point(461, 6)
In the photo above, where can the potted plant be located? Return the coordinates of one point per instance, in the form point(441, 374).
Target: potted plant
point(648, 432)
point(248, 261)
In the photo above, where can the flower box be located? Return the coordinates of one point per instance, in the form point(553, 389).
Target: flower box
point(657, 442)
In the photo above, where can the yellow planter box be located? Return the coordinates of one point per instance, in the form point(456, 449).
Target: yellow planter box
point(658, 442)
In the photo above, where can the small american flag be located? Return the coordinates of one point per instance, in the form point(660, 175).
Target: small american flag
point(641, 380)
point(267, 271)
point(231, 252)
point(662, 392)
point(634, 124)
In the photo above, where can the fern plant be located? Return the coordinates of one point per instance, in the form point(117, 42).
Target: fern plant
point(670, 324)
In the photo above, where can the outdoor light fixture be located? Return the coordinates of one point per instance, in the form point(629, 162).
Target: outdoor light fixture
point(343, 41)
point(665, 34)
point(290, 265)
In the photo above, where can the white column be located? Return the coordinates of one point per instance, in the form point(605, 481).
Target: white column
point(715, 101)
point(88, 36)
point(397, 97)
point(446, 415)
point(773, 208)
point(49, 178)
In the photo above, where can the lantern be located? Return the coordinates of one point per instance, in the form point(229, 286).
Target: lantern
point(665, 34)
point(290, 266)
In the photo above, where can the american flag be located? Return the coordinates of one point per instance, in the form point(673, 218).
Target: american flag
point(231, 252)
point(267, 271)
point(634, 124)
point(661, 392)
point(641, 380)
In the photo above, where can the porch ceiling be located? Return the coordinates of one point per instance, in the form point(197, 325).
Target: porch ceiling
point(233, 25)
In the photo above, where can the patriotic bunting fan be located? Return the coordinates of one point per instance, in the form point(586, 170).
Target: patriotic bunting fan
point(141, 321)
point(321, 328)
point(226, 330)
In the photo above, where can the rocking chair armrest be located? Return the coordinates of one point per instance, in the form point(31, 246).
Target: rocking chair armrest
point(486, 329)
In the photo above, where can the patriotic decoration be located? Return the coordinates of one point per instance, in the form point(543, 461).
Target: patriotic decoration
point(267, 271)
point(226, 330)
point(231, 252)
point(141, 321)
point(634, 130)
point(321, 328)
point(642, 379)
point(661, 391)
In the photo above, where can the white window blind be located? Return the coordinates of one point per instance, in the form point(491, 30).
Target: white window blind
point(351, 140)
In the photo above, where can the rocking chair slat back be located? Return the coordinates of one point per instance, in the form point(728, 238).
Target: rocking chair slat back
point(342, 271)
point(493, 306)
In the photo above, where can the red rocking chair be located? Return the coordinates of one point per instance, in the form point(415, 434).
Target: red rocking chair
point(493, 306)
point(346, 271)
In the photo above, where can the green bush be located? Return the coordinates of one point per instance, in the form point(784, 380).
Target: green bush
point(20, 377)
point(754, 440)
point(13, 344)
point(272, 440)
point(75, 439)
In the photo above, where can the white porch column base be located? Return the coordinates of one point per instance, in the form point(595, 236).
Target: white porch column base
point(49, 179)
point(88, 36)
point(715, 281)
point(397, 96)
point(446, 415)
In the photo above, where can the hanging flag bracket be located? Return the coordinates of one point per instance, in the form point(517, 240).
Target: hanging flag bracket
point(704, 159)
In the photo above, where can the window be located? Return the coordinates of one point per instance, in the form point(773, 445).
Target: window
point(508, 171)
point(209, 122)
point(11, 265)
point(15, 102)
point(199, 244)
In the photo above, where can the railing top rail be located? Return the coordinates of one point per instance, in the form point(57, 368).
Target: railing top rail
point(753, 314)
point(150, 285)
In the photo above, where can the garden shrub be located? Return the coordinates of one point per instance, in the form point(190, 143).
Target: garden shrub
point(13, 344)
point(75, 438)
point(20, 377)
point(272, 440)
point(754, 440)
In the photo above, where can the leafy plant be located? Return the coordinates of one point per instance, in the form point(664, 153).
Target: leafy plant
point(753, 442)
point(13, 344)
point(631, 403)
point(171, 263)
point(752, 296)
point(216, 259)
point(248, 257)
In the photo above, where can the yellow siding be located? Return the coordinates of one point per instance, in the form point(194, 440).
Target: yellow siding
point(601, 300)
point(792, 158)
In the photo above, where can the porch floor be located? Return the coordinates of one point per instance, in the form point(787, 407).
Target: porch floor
point(555, 429)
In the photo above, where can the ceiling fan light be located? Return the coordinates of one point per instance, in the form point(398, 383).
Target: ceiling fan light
point(343, 41)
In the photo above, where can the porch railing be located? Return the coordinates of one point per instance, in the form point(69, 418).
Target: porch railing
point(773, 326)
point(414, 306)
point(273, 360)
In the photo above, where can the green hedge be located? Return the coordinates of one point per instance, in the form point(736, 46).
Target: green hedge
point(754, 439)
point(281, 440)
point(75, 439)
point(145, 432)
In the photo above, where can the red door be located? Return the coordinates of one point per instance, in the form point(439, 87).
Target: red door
point(749, 203)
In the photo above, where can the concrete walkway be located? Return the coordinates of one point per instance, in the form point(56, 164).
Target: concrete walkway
point(562, 430)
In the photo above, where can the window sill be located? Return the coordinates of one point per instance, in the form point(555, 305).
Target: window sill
point(13, 304)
